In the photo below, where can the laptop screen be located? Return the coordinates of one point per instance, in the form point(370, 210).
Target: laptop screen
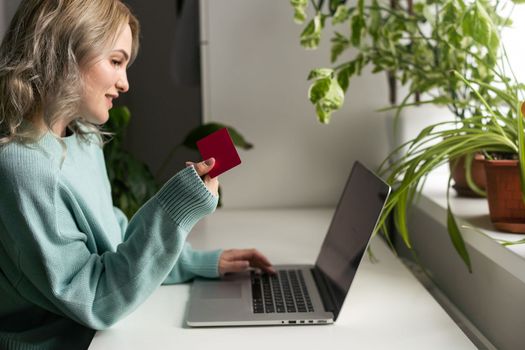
point(352, 226)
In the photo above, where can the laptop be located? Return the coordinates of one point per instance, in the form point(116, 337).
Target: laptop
point(299, 294)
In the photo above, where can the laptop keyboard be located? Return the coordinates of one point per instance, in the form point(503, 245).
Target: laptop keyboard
point(283, 292)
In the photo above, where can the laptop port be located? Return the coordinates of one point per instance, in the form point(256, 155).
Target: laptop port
point(302, 321)
point(292, 321)
point(310, 321)
point(321, 321)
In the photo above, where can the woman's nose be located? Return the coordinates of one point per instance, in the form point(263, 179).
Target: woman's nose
point(123, 84)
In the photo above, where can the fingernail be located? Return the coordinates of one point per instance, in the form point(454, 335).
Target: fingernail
point(209, 161)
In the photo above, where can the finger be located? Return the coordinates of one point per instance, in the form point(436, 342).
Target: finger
point(204, 167)
point(263, 263)
point(256, 258)
point(266, 268)
point(241, 253)
point(236, 266)
point(262, 259)
point(209, 180)
point(250, 254)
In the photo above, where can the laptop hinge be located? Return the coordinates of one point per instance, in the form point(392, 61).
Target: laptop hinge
point(326, 292)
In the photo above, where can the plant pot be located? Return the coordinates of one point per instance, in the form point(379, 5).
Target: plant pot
point(507, 210)
point(460, 180)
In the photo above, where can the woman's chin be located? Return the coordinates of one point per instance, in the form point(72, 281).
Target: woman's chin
point(99, 119)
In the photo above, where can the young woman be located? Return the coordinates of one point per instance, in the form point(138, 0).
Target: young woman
point(70, 261)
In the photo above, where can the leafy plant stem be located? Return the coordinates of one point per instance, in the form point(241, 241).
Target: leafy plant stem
point(483, 101)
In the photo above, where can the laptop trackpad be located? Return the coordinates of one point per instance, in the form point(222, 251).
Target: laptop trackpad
point(222, 291)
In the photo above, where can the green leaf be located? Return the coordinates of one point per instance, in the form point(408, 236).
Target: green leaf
point(494, 46)
point(343, 77)
point(323, 115)
point(361, 7)
point(457, 239)
point(442, 100)
point(423, 134)
point(375, 20)
point(119, 118)
point(319, 89)
point(339, 44)
point(311, 35)
point(337, 49)
point(319, 73)
point(449, 13)
point(299, 7)
point(360, 62)
point(342, 14)
point(335, 95)
point(400, 218)
point(358, 27)
point(327, 96)
point(469, 158)
point(334, 4)
point(478, 25)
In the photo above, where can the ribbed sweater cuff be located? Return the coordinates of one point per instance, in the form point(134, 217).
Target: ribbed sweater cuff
point(203, 263)
point(186, 199)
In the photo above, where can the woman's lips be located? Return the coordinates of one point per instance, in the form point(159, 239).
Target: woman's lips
point(109, 100)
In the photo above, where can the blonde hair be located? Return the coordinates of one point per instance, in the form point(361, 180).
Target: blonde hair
point(41, 56)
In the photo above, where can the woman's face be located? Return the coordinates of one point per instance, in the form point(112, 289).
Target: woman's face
point(104, 80)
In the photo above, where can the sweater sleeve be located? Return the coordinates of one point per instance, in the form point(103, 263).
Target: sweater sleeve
point(191, 263)
point(194, 263)
point(122, 220)
point(58, 269)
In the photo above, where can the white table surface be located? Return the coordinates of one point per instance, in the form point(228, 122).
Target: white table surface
point(387, 308)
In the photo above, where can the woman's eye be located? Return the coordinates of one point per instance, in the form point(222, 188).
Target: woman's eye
point(116, 63)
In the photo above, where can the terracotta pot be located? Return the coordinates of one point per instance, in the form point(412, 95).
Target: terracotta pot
point(507, 210)
point(460, 180)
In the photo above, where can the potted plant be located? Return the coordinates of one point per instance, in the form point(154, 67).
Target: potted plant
point(417, 43)
point(132, 182)
point(497, 131)
point(190, 141)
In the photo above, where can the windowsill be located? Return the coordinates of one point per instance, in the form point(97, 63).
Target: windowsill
point(472, 216)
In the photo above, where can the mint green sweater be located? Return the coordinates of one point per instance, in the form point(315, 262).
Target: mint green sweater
point(69, 261)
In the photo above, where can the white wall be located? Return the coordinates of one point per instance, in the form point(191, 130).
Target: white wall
point(513, 42)
point(255, 73)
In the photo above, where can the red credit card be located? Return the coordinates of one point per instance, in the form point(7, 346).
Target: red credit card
point(219, 145)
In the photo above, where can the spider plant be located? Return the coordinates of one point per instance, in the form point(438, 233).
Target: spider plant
point(496, 130)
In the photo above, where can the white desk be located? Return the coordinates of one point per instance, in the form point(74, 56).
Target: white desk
point(386, 308)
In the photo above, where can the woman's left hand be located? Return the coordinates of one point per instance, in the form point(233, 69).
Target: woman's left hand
point(202, 169)
point(238, 260)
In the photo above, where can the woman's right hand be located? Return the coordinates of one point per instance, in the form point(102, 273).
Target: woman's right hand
point(203, 168)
